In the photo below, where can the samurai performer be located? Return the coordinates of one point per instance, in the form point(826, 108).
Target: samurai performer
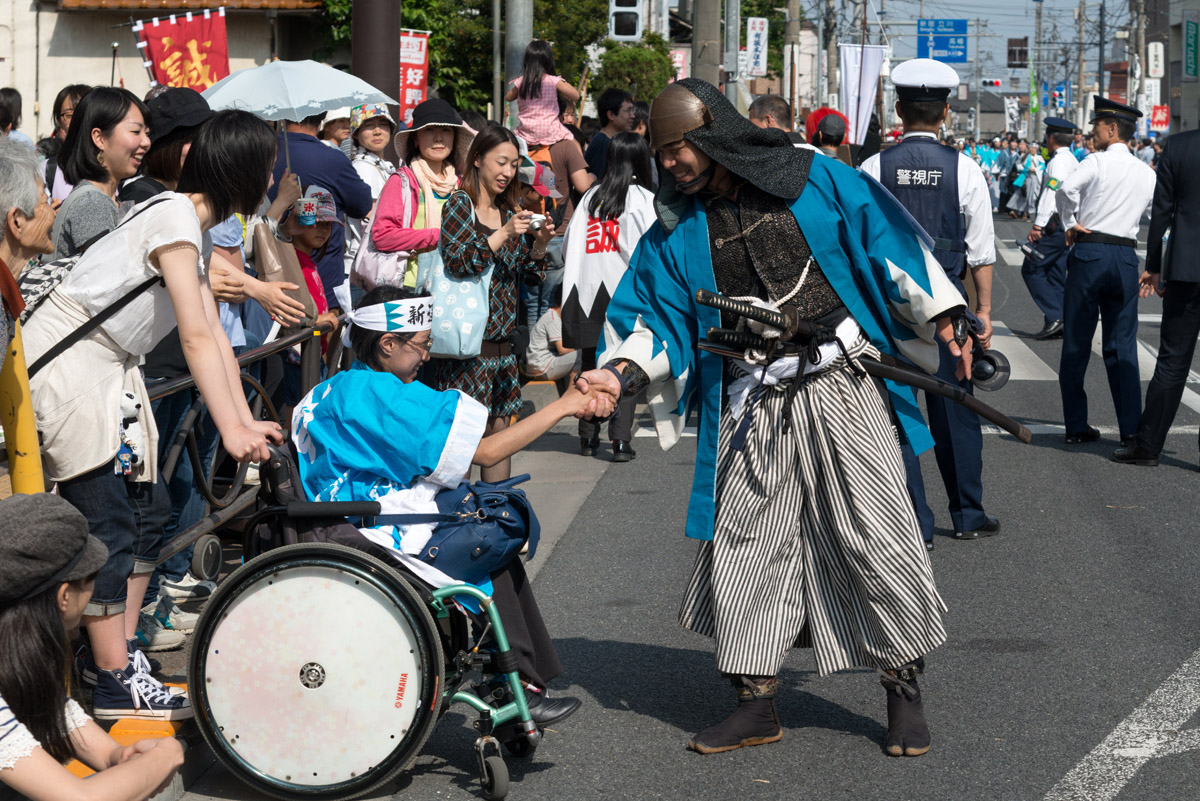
point(808, 536)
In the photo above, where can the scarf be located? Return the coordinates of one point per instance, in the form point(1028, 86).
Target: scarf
point(431, 183)
point(383, 165)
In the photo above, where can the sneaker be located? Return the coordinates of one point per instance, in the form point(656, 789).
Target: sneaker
point(135, 651)
point(153, 636)
point(85, 663)
point(187, 587)
point(170, 616)
point(134, 693)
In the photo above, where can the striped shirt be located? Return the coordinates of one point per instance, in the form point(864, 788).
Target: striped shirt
point(17, 742)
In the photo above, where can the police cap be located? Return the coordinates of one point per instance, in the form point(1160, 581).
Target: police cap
point(1056, 125)
point(1106, 109)
point(924, 79)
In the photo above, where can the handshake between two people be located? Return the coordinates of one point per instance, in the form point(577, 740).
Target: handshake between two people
point(598, 392)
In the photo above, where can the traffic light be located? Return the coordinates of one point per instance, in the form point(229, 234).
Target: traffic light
point(625, 23)
point(991, 83)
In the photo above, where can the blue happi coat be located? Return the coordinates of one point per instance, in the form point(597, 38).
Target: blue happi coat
point(875, 257)
point(368, 436)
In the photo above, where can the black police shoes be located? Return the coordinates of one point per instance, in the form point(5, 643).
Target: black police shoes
point(1133, 454)
point(1089, 434)
point(622, 452)
point(1050, 331)
point(990, 528)
point(587, 447)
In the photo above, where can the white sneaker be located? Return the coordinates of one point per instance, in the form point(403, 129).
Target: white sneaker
point(187, 587)
point(153, 636)
point(170, 616)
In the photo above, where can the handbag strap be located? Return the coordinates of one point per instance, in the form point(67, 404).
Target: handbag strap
point(92, 324)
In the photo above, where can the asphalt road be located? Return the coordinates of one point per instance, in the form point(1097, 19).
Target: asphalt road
point(1071, 672)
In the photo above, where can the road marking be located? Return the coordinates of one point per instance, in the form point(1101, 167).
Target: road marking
point(1152, 731)
point(1012, 256)
point(645, 430)
point(1025, 364)
point(1058, 429)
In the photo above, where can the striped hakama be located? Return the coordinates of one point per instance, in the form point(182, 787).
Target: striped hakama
point(816, 542)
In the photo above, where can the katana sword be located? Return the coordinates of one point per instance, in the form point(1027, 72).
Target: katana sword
point(731, 344)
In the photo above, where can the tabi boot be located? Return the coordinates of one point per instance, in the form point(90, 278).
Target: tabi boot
point(754, 722)
point(908, 733)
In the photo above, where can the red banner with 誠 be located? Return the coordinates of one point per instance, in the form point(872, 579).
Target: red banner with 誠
point(186, 50)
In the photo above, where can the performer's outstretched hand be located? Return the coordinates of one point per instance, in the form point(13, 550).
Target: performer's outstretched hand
point(604, 389)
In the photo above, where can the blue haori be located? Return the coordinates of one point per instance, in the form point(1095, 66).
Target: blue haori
point(876, 258)
point(367, 436)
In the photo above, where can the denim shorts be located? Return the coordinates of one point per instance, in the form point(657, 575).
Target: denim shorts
point(129, 518)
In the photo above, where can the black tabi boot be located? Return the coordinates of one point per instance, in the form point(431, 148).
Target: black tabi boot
point(908, 733)
point(754, 722)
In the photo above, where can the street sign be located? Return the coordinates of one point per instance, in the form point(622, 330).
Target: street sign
point(1018, 53)
point(942, 39)
point(1191, 44)
point(1153, 92)
point(1160, 118)
point(1155, 60)
point(756, 44)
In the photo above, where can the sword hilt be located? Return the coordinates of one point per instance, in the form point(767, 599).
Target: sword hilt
point(740, 340)
point(775, 319)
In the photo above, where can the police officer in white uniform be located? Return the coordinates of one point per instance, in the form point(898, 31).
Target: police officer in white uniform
point(1102, 204)
point(947, 193)
point(1045, 266)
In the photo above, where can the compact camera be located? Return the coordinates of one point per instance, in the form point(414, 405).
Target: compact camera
point(536, 222)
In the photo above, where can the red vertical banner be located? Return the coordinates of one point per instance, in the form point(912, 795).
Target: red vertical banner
point(414, 72)
point(186, 50)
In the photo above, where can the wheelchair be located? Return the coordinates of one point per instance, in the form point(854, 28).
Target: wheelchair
point(319, 667)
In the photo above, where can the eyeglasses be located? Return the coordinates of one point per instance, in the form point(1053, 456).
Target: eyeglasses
point(66, 115)
point(425, 347)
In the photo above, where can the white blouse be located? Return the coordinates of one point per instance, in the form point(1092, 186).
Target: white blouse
point(16, 741)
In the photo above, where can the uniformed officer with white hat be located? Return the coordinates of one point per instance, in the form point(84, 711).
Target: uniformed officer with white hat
point(948, 195)
point(1045, 265)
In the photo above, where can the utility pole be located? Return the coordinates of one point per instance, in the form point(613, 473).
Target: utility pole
point(1081, 92)
point(1035, 124)
point(1100, 66)
point(978, 77)
point(374, 56)
point(733, 47)
point(1139, 19)
point(518, 32)
point(497, 66)
point(706, 40)
point(792, 50)
point(829, 24)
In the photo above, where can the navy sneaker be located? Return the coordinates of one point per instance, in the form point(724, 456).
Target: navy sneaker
point(85, 662)
point(134, 693)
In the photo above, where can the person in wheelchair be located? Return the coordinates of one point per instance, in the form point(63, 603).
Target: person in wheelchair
point(375, 433)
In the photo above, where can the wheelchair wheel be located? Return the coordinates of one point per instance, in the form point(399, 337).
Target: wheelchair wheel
point(315, 673)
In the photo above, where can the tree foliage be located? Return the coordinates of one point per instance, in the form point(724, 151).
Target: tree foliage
point(460, 39)
point(641, 68)
point(570, 25)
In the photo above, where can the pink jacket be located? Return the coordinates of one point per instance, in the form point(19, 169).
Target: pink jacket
point(396, 213)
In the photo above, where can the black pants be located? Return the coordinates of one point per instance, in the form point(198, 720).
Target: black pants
point(1180, 327)
point(537, 661)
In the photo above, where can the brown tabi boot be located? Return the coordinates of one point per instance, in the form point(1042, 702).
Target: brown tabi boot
point(908, 733)
point(754, 722)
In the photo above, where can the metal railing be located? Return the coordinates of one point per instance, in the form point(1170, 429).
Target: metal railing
point(237, 498)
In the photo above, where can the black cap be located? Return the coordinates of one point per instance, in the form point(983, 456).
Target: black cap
point(44, 541)
point(178, 107)
point(1059, 125)
point(1105, 109)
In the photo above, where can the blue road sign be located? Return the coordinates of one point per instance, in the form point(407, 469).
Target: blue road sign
point(942, 39)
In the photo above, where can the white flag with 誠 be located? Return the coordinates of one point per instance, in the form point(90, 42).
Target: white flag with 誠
point(859, 73)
